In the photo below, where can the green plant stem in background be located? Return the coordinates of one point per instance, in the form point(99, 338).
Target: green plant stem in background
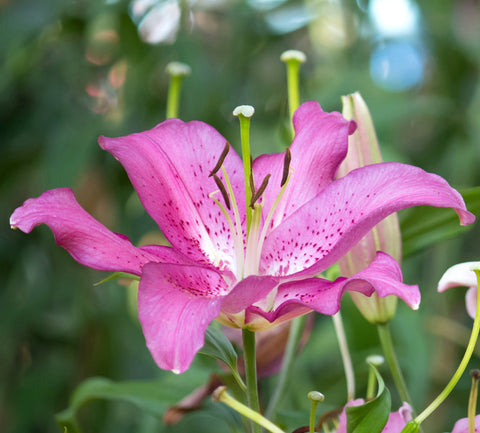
point(296, 329)
point(249, 359)
point(461, 368)
point(472, 401)
point(316, 397)
point(347, 360)
point(389, 352)
point(176, 71)
point(293, 59)
point(221, 394)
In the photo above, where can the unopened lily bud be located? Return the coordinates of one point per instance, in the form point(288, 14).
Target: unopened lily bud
point(363, 150)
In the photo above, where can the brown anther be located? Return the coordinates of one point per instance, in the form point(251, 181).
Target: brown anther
point(475, 373)
point(222, 189)
point(252, 183)
point(257, 194)
point(286, 166)
point(224, 154)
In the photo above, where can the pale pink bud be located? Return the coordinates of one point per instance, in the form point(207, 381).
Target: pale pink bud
point(363, 150)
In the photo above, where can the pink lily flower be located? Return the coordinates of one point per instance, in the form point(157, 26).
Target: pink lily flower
point(300, 226)
point(462, 274)
point(396, 420)
point(461, 426)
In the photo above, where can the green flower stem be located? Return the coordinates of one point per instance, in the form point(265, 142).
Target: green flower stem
point(244, 113)
point(296, 329)
point(347, 360)
point(250, 361)
point(221, 394)
point(461, 368)
point(472, 401)
point(389, 352)
point(293, 59)
point(176, 71)
point(316, 397)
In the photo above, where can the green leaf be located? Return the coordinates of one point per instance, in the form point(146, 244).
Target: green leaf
point(150, 396)
point(372, 416)
point(423, 226)
point(218, 346)
point(116, 275)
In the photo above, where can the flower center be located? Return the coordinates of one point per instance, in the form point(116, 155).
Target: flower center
point(247, 248)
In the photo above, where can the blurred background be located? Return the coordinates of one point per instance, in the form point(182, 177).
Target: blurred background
point(73, 70)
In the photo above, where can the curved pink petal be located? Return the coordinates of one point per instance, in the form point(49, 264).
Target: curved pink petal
point(461, 426)
point(382, 276)
point(320, 145)
point(324, 229)
point(88, 241)
point(460, 274)
point(176, 303)
point(169, 167)
point(247, 292)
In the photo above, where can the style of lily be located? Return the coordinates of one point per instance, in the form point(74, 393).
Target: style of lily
point(248, 272)
point(462, 274)
point(395, 423)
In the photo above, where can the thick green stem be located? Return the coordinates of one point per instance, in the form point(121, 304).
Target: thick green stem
point(294, 335)
point(390, 356)
point(250, 361)
point(347, 360)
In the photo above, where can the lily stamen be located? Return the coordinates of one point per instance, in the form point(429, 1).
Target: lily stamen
point(257, 194)
point(220, 161)
point(286, 166)
point(222, 189)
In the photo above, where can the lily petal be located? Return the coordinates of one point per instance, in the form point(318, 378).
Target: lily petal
point(248, 291)
point(169, 167)
point(383, 276)
point(324, 229)
point(88, 241)
point(460, 274)
point(320, 144)
point(176, 303)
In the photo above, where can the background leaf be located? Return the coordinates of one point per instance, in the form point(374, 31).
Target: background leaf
point(152, 397)
point(424, 226)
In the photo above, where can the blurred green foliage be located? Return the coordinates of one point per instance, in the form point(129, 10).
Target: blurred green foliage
point(73, 70)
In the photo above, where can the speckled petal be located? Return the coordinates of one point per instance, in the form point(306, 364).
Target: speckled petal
point(323, 230)
point(320, 145)
point(382, 276)
point(169, 167)
point(176, 303)
point(89, 242)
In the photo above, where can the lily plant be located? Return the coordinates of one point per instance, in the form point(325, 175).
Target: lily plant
point(248, 239)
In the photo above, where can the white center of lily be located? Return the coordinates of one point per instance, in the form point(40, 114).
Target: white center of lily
point(247, 248)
